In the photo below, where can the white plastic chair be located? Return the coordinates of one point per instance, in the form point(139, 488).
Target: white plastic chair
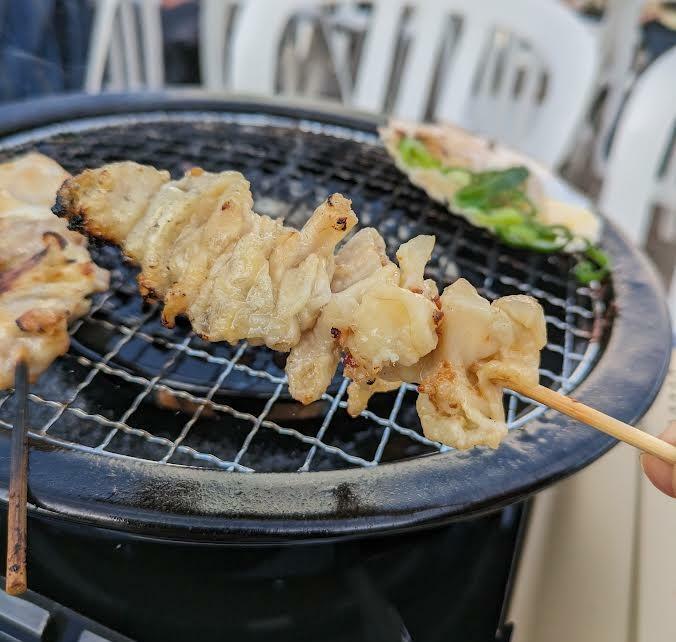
point(641, 168)
point(521, 71)
point(133, 61)
point(214, 18)
point(620, 35)
point(217, 18)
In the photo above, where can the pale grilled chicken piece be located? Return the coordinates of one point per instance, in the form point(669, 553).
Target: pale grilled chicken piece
point(393, 326)
point(237, 299)
point(302, 266)
point(361, 255)
point(52, 258)
point(32, 178)
point(38, 344)
point(359, 265)
point(481, 344)
point(359, 394)
point(412, 257)
point(22, 230)
point(46, 273)
point(204, 251)
point(38, 296)
point(375, 321)
point(107, 202)
point(209, 235)
point(178, 207)
point(271, 283)
point(312, 363)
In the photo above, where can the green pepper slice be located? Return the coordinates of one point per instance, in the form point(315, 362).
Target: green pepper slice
point(595, 266)
point(487, 186)
point(414, 154)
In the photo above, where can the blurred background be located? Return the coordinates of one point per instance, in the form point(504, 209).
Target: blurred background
point(587, 88)
point(555, 88)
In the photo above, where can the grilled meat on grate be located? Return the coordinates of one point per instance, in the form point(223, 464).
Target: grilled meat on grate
point(271, 284)
point(205, 252)
point(46, 273)
point(441, 159)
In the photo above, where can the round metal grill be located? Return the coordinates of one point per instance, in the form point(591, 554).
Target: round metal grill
point(131, 388)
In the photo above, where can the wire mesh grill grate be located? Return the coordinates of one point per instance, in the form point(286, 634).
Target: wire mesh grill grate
point(131, 388)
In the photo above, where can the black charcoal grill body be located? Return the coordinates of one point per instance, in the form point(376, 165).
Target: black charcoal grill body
point(183, 470)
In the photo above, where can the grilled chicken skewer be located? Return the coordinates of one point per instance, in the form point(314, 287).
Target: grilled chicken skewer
point(204, 252)
point(238, 275)
point(46, 273)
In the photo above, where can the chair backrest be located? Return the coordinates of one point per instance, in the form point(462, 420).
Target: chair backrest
point(641, 168)
point(522, 71)
point(620, 38)
point(214, 18)
point(126, 39)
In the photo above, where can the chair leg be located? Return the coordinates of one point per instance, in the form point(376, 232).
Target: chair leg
point(131, 50)
point(99, 44)
point(151, 29)
point(212, 33)
point(338, 45)
point(116, 81)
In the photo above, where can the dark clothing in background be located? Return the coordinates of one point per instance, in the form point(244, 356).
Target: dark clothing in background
point(43, 46)
point(657, 39)
point(181, 57)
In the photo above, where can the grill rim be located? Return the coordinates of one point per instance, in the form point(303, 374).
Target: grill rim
point(140, 497)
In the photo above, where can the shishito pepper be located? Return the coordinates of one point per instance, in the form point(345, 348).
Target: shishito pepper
point(487, 187)
point(595, 266)
point(415, 154)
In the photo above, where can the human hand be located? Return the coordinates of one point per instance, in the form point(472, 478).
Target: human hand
point(661, 474)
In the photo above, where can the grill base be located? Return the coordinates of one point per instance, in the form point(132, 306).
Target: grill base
point(448, 583)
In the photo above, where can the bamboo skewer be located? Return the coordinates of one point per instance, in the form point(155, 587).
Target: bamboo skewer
point(16, 582)
point(613, 427)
